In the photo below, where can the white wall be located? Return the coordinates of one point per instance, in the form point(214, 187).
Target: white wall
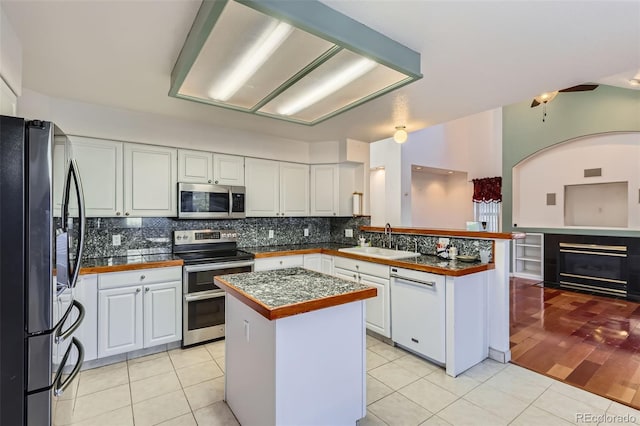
point(440, 201)
point(10, 55)
point(548, 171)
point(98, 121)
point(470, 144)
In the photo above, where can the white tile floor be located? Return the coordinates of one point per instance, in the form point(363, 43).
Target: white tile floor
point(186, 387)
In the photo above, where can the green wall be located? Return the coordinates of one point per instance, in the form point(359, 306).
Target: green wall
point(569, 115)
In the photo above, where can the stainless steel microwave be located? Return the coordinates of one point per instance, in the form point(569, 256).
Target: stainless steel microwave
point(205, 201)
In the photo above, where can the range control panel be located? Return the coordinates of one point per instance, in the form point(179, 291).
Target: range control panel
point(205, 236)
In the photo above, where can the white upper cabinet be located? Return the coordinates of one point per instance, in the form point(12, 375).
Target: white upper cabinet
point(263, 187)
point(294, 189)
point(207, 167)
point(100, 166)
point(228, 170)
point(276, 188)
point(150, 180)
point(324, 190)
point(195, 166)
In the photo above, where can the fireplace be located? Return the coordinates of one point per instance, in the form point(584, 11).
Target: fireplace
point(596, 264)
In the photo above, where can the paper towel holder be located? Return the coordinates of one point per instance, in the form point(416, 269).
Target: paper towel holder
point(357, 203)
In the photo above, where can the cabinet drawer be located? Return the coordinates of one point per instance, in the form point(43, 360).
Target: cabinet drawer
point(368, 268)
point(270, 263)
point(139, 276)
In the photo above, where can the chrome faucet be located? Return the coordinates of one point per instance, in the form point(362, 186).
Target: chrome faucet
point(387, 231)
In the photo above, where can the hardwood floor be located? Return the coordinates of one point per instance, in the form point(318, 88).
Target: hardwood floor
point(590, 342)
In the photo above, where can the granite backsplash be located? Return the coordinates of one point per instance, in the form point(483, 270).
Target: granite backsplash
point(152, 235)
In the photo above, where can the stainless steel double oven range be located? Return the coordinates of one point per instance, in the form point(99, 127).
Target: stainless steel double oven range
point(206, 253)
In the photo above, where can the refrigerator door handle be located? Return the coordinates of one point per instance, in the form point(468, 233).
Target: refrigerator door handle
point(75, 174)
point(62, 335)
point(59, 386)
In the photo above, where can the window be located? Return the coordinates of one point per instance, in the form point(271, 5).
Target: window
point(488, 212)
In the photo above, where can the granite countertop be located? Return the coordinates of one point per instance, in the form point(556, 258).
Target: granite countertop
point(126, 263)
point(425, 262)
point(285, 292)
point(282, 250)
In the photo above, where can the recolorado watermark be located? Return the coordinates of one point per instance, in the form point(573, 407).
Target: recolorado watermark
point(605, 418)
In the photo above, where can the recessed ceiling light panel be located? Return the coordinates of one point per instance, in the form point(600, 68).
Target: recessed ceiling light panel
point(299, 61)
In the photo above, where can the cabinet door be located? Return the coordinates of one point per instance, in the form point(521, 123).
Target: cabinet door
point(324, 190)
point(195, 166)
point(119, 320)
point(294, 189)
point(379, 307)
point(100, 165)
point(150, 180)
point(345, 274)
point(228, 170)
point(313, 262)
point(278, 262)
point(86, 292)
point(263, 187)
point(162, 313)
point(326, 266)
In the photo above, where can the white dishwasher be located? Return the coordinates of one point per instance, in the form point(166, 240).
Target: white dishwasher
point(418, 312)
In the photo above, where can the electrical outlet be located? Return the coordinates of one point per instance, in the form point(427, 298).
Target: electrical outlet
point(270, 233)
point(306, 232)
point(116, 240)
point(348, 233)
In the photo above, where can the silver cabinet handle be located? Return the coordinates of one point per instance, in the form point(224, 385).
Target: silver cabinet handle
point(126, 214)
point(281, 262)
point(138, 290)
point(216, 182)
point(146, 289)
point(118, 213)
point(413, 281)
point(209, 181)
point(142, 277)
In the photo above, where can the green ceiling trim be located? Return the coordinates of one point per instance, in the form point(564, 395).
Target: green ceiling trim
point(330, 53)
point(206, 18)
point(329, 24)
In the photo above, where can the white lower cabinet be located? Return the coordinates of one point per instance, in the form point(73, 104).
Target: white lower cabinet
point(418, 312)
point(139, 309)
point(86, 292)
point(378, 316)
point(326, 264)
point(278, 262)
point(313, 262)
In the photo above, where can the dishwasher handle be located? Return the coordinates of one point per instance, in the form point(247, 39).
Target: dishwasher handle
point(414, 281)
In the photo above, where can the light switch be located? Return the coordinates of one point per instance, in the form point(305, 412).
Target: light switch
point(116, 240)
point(306, 232)
point(270, 233)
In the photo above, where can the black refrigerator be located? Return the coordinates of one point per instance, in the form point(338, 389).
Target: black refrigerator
point(39, 264)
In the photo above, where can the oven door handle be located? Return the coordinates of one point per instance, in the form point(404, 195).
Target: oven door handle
point(217, 266)
point(203, 296)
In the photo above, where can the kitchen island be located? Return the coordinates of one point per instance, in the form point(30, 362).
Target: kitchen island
point(295, 348)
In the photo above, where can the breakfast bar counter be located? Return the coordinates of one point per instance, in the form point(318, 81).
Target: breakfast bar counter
point(295, 347)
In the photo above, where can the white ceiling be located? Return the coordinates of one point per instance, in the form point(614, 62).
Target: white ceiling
point(476, 55)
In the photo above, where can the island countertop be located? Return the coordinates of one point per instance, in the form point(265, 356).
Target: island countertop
point(286, 292)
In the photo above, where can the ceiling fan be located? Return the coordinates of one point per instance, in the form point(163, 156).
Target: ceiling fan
point(547, 97)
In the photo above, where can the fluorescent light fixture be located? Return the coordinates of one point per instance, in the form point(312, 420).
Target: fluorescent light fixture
point(330, 85)
point(251, 61)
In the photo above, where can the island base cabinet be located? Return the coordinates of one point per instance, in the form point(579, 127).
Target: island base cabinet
point(466, 323)
point(280, 372)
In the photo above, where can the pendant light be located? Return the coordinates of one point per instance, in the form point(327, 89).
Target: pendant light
point(400, 136)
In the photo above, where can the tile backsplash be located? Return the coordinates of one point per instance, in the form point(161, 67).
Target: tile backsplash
point(154, 234)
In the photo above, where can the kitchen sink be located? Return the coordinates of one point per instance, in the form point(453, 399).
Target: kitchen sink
point(380, 253)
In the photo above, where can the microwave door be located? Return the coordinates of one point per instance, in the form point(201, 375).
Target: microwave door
point(72, 233)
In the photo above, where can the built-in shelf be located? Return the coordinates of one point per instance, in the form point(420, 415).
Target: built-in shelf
point(527, 256)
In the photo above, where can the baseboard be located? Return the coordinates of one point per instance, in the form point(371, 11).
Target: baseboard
point(500, 356)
